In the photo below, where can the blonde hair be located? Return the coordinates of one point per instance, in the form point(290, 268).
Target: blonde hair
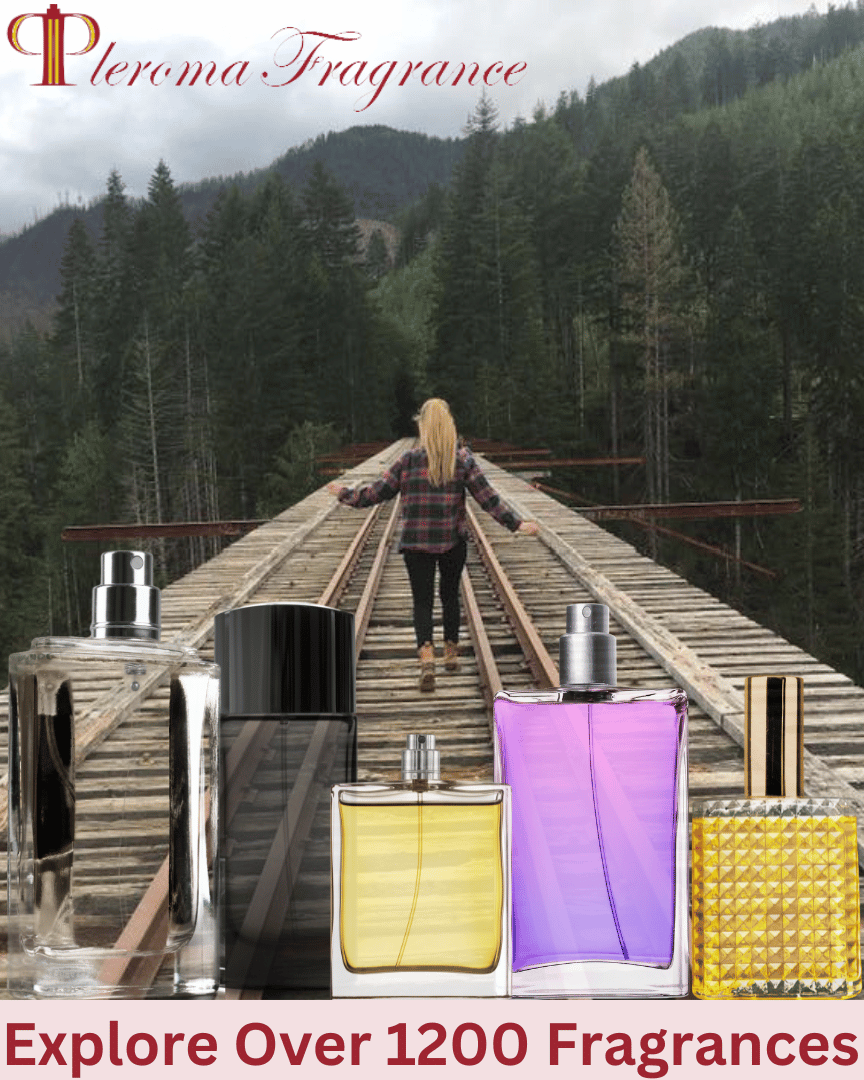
point(438, 439)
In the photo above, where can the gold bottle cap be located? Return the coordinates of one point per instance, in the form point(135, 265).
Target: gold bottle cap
point(774, 736)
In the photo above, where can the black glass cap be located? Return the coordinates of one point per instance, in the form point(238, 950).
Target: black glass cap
point(278, 659)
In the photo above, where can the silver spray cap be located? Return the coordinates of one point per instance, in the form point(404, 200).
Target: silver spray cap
point(587, 651)
point(126, 604)
point(420, 759)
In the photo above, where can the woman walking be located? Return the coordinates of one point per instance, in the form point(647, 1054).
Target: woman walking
point(432, 479)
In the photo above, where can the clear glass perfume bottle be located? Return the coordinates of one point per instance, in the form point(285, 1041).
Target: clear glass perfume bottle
point(103, 829)
point(421, 884)
point(599, 781)
point(288, 733)
point(775, 874)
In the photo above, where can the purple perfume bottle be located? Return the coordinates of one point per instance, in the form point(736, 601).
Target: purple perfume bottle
point(599, 781)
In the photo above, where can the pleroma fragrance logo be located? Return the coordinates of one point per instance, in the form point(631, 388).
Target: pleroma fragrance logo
point(53, 38)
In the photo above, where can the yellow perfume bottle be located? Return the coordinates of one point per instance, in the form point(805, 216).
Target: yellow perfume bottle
point(775, 875)
point(421, 884)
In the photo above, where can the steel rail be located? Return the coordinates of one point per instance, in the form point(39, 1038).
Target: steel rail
point(541, 664)
point(487, 669)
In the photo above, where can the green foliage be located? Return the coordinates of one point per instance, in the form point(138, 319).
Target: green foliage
point(671, 266)
point(294, 473)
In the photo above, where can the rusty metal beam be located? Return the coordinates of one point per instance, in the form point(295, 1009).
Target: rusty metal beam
point(690, 510)
point(710, 549)
point(160, 529)
point(566, 463)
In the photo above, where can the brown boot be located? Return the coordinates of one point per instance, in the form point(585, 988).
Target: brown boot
point(427, 666)
point(451, 656)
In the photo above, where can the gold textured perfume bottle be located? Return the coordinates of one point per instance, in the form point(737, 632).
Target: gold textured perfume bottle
point(775, 875)
point(421, 884)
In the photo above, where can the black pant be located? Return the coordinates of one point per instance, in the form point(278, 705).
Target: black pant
point(421, 573)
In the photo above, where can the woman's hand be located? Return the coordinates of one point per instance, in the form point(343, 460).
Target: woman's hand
point(530, 528)
point(335, 489)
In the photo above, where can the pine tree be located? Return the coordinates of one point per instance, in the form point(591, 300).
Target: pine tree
point(161, 252)
point(466, 295)
point(117, 313)
point(651, 274)
point(76, 320)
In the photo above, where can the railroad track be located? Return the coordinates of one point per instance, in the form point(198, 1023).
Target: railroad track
point(514, 593)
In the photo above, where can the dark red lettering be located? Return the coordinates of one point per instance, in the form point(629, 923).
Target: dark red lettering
point(555, 1044)
point(187, 67)
point(514, 69)
point(328, 1045)
point(52, 1049)
point(442, 70)
point(200, 1045)
point(12, 1044)
point(426, 1053)
point(296, 1056)
point(357, 1041)
point(624, 1048)
point(78, 1059)
point(401, 1046)
point(812, 1042)
point(98, 67)
point(850, 1051)
point(588, 1040)
point(409, 67)
point(238, 78)
point(479, 1034)
point(771, 1049)
point(714, 1047)
point(678, 1040)
point(497, 66)
point(140, 67)
point(132, 1048)
point(117, 68)
point(498, 1044)
point(269, 1044)
point(170, 1039)
point(754, 1047)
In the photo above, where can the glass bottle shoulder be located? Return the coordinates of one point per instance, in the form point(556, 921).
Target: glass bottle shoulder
point(774, 807)
point(410, 792)
point(70, 651)
point(590, 695)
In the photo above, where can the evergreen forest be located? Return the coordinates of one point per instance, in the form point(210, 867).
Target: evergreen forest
point(670, 266)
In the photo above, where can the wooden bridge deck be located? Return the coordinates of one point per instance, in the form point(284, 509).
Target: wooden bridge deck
point(669, 633)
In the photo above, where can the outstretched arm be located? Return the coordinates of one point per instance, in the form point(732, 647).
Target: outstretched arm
point(369, 494)
point(491, 501)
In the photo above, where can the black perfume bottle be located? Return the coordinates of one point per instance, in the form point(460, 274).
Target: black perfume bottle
point(288, 733)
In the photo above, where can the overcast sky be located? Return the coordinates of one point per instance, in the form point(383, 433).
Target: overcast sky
point(60, 142)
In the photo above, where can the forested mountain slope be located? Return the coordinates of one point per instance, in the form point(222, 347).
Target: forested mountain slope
point(670, 266)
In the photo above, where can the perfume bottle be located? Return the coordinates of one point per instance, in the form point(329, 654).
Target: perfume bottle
point(420, 884)
point(775, 874)
point(288, 733)
point(599, 781)
point(112, 805)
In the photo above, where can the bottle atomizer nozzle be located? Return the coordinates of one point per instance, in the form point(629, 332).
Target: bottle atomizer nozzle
point(773, 736)
point(420, 759)
point(126, 604)
point(587, 652)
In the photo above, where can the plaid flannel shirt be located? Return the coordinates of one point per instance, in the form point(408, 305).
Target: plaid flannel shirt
point(433, 518)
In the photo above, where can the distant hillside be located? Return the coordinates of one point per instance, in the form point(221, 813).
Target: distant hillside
point(381, 168)
point(384, 169)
